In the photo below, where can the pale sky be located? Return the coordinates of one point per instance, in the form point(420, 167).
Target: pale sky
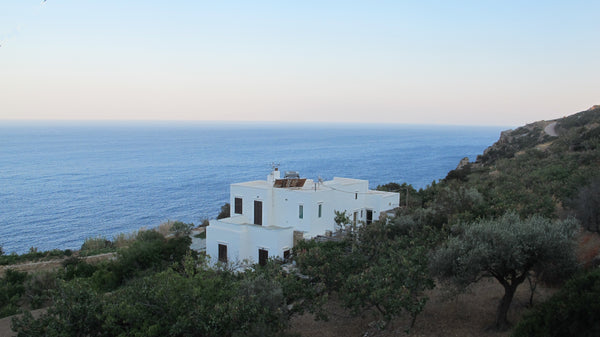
point(424, 62)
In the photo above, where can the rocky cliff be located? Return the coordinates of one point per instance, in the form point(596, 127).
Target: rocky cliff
point(575, 130)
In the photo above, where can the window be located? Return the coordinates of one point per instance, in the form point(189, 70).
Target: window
point(237, 206)
point(258, 212)
point(369, 216)
point(355, 196)
point(263, 257)
point(320, 210)
point(286, 255)
point(222, 253)
point(301, 211)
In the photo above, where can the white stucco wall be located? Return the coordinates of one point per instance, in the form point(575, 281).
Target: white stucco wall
point(280, 214)
point(243, 240)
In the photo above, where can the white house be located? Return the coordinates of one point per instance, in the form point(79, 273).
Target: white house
point(267, 214)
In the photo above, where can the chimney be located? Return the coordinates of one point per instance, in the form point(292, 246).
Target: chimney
point(275, 174)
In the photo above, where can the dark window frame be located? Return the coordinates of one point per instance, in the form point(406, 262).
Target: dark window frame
point(258, 212)
point(369, 219)
point(263, 256)
point(223, 253)
point(238, 205)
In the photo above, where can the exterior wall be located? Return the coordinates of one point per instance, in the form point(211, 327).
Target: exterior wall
point(280, 215)
point(243, 240)
point(249, 194)
point(234, 236)
point(273, 240)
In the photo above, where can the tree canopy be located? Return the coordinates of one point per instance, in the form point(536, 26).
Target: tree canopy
point(508, 249)
point(383, 268)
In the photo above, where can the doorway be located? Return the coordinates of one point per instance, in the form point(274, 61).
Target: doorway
point(263, 257)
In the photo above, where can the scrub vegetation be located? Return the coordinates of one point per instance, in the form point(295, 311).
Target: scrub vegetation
point(513, 216)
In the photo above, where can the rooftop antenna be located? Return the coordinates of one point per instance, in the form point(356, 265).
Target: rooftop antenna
point(318, 182)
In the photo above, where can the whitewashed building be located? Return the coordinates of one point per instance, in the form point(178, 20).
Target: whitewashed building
point(267, 214)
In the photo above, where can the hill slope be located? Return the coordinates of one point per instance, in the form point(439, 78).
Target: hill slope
point(541, 167)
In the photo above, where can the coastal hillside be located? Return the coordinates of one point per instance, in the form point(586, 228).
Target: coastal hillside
point(546, 167)
point(393, 275)
point(578, 132)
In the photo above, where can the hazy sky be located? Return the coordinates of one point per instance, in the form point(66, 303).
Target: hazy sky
point(427, 62)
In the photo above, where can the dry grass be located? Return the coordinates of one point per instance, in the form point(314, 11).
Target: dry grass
point(94, 243)
point(588, 248)
point(122, 240)
point(165, 228)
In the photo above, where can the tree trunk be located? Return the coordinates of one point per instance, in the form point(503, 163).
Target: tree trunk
point(532, 287)
point(502, 313)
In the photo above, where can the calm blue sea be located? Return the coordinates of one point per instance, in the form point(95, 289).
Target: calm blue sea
point(63, 182)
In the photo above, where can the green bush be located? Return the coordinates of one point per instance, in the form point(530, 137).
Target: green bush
point(11, 290)
point(225, 211)
point(181, 228)
point(74, 267)
point(150, 235)
point(38, 288)
point(32, 255)
point(572, 311)
point(97, 244)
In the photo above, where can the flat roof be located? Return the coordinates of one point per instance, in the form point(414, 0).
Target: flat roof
point(307, 185)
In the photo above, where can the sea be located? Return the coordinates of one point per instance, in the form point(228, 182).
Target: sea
point(63, 182)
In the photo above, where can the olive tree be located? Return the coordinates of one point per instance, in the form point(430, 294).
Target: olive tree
point(383, 269)
point(508, 249)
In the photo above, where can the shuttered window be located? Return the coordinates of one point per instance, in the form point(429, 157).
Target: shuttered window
point(237, 209)
point(369, 216)
point(222, 253)
point(263, 257)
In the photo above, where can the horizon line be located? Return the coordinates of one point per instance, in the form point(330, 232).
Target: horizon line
point(238, 122)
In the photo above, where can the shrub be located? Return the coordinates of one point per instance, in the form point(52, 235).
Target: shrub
point(122, 240)
point(96, 244)
point(572, 311)
point(165, 228)
point(225, 211)
point(149, 235)
point(37, 289)
point(74, 267)
point(11, 291)
point(587, 204)
point(181, 229)
point(32, 255)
